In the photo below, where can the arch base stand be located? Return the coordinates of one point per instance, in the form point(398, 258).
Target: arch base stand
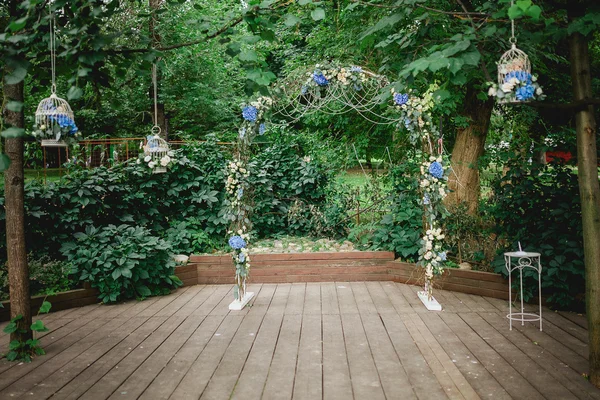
point(238, 305)
point(432, 305)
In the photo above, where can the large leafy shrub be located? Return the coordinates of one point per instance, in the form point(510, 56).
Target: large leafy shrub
point(122, 261)
point(538, 205)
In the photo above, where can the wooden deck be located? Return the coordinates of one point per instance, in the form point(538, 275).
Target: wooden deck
point(361, 340)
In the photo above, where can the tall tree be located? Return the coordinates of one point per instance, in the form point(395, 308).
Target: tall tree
point(18, 273)
point(589, 190)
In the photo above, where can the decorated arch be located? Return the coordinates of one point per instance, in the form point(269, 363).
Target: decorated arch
point(333, 89)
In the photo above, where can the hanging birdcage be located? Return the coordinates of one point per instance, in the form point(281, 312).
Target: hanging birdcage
point(157, 154)
point(514, 70)
point(55, 122)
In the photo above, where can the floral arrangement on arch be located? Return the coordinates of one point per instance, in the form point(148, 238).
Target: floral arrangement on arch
point(239, 191)
point(328, 74)
point(415, 117)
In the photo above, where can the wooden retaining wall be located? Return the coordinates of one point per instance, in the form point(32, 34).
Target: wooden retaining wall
point(60, 301)
point(345, 267)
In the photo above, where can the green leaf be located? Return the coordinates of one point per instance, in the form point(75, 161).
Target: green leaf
point(4, 162)
point(524, 4)
point(534, 12)
point(11, 327)
point(38, 326)
point(18, 24)
point(16, 76)
point(514, 12)
point(318, 14)
point(13, 132)
point(74, 93)
point(291, 20)
point(15, 106)
point(304, 2)
point(45, 308)
point(248, 56)
point(143, 290)
point(438, 63)
point(116, 274)
point(471, 58)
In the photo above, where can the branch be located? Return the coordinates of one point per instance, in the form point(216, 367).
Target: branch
point(455, 13)
point(482, 62)
point(573, 106)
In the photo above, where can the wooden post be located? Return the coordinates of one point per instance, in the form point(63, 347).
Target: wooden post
point(589, 191)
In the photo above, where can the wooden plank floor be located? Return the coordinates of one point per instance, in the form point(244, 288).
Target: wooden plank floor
point(361, 340)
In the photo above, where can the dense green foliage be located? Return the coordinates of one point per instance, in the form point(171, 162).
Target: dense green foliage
point(538, 205)
point(122, 262)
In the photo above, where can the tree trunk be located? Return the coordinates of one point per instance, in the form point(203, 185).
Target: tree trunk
point(589, 191)
point(18, 273)
point(464, 180)
point(156, 43)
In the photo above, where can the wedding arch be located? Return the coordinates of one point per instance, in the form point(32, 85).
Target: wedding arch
point(332, 88)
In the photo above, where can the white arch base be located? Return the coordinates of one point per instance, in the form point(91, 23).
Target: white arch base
point(431, 305)
point(238, 305)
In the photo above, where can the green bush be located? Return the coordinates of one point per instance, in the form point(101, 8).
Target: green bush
point(538, 205)
point(122, 262)
point(47, 276)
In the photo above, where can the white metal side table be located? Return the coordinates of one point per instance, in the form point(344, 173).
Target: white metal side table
point(521, 260)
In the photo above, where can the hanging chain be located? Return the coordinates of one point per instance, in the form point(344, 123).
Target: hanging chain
point(53, 51)
point(513, 39)
point(155, 129)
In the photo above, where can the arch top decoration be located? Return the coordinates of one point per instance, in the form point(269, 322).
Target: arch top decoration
point(334, 89)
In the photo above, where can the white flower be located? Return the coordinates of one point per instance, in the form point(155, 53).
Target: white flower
point(507, 87)
point(151, 164)
point(243, 170)
point(428, 255)
point(424, 183)
point(534, 78)
point(171, 153)
point(138, 161)
point(306, 159)
point(240, 231)
point(442, 192)
point(43, 127)
point(539, 91)
point(492, 91)
point(514, 81)
point(148, 158)
point(165, 161)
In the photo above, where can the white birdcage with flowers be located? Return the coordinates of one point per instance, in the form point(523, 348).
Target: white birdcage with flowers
point(54, 118)
point(157, 154)
point(55, 122)
point(516, 83)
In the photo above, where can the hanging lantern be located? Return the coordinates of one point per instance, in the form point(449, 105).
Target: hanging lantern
point(55, 122)
point(157, 154)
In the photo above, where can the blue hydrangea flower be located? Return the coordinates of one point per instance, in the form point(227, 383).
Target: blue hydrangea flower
point(242, 257)
point(242, 133)
point(522, 76)
point(426, 199)
point(304, 89)
point(357, 87)
point(240, 193)
point(250, 113)
point(400, 98)
point(443, 255)
point(354, 68)
point(524, 93)
point(261, 129)
point(236, 242)
point(320, 79)
point(407, 122)
point(66, 123)
point(436, 170)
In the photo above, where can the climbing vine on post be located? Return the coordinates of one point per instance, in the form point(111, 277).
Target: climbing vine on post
point(239, 194)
